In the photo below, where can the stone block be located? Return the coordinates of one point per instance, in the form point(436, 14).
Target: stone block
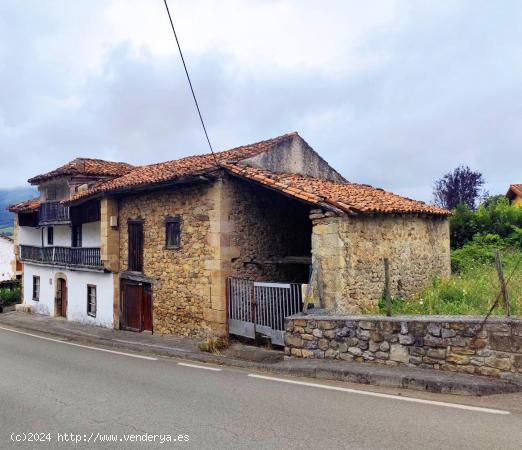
point(458, 359)
point(406, 339)
point(376, 336)
point(307, 353)
point(385, 346)
point(368, 356)
point(434, 329)
point(498, 363)
point(399, 353)
point(296, 352)
point(346, 357)
point(366, 325)
point(374, 346)
point(382, 355)
point(324, 344)
point(343, 347)
point(292, 340)
point(330, 334)
point(317, 332)
point(326, 324)
point(436, 353)
point(500, 342)
point(448, 332)
point(355, 351)
point(331, 353)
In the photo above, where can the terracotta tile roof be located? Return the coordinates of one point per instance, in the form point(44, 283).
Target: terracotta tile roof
point(184, 167)
point(86, 166)
point(26, 206)
point(348, 197)
point(514, 191)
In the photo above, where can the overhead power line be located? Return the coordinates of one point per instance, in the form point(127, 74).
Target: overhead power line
point(190, 82)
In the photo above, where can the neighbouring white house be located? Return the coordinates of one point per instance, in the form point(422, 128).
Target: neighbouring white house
point(6, 257)
point(60, 248)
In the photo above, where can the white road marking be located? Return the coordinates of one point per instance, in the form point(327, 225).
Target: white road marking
point(215, 369)
point(149, 358)
point(378, 394)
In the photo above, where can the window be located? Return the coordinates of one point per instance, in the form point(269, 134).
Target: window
point(76, 235)
point(173, 232)
point(135, 257)
point(50, 235)
point(36, 288)
point(51, 193)
point(91, 300)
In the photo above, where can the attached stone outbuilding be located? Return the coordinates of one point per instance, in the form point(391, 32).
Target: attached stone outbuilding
point(265, 212)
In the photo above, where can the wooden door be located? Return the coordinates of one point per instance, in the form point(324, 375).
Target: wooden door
point(136, 306)
point(131, 307)
point(147, 307)
point(61, 298)
point(135, 246)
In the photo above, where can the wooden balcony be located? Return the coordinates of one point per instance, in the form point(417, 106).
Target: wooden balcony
point(53, 213)
point(88, 257)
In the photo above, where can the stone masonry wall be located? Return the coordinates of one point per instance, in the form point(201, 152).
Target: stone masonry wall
point(267, 225)
point(351, 251)
point(457, 344)
point(182, 294)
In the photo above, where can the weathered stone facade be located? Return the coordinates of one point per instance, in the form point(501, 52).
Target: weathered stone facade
point(229, 228)
point(182, 278)
point(457, 344)
point(351, 250)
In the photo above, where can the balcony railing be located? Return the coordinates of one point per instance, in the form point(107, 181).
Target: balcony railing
point(53, 212)
point(64, 256)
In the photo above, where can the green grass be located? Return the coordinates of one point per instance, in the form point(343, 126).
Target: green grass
point(470, 291)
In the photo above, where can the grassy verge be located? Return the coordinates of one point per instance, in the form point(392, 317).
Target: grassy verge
point(471, 289)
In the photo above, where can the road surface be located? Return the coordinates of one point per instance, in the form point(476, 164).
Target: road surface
point(54, 392)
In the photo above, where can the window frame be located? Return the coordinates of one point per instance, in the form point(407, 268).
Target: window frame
point(36, 284)
point(170, 222)
point(50, 236)
point(92, 288)
point(51, 189)
point(76, 236)
point(138, 264)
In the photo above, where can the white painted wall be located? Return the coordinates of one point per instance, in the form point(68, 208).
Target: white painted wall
point(91, 234)
point(77, 282)
point(30, 236)
point(61, 237)
point(6, 258)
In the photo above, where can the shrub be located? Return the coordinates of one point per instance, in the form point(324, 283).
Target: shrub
point(10, 295)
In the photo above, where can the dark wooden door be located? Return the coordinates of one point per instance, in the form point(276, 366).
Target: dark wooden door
point(147, 307)
point(131, 307)
point(135, 237)
point(61, 297)
point(136, 306)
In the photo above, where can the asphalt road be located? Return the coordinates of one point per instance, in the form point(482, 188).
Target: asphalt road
point(55, 390)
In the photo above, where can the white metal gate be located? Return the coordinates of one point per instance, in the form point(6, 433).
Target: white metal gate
point(259, 307)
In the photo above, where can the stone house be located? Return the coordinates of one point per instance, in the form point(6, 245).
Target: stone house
point(172, 235)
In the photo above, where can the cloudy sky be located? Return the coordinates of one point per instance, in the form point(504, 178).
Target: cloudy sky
point(392, 93)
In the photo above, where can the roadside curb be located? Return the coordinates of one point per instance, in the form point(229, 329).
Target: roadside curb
point(364, 373)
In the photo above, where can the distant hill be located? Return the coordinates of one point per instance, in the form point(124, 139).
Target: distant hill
point(9, 196)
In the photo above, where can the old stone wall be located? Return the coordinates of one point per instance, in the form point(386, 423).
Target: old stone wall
point(457, 344)
point(351, 251)
point(267, 226)
point(182, 278)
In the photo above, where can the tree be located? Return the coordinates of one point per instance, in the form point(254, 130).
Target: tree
point(463, 185)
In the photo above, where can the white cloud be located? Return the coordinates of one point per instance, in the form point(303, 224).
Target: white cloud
point(393, 93)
